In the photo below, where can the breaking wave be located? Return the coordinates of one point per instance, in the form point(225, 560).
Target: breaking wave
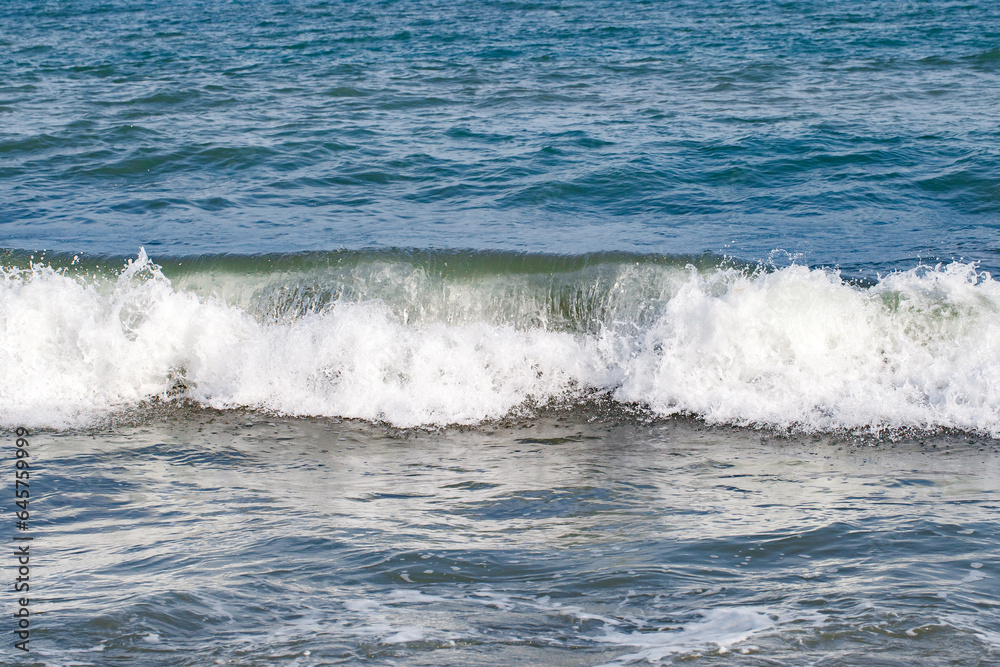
point(460, 338)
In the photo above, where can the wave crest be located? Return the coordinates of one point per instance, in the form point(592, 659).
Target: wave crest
point(404, 341)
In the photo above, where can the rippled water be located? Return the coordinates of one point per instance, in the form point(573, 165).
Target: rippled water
point(859, 134)
point(232, 540)
point(484, 333)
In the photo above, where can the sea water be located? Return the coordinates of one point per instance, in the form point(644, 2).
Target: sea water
point(458, 333)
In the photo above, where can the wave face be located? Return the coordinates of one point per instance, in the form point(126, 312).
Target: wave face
point(431, 338)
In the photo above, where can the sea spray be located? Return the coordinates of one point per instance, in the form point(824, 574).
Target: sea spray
point(413, 341)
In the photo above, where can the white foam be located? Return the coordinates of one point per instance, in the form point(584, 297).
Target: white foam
point(718, 629)
point(797, 347)
point(974, 624)
point(361, 605)
point(404, 635)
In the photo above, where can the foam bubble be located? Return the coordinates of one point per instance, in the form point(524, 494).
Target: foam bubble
point(718, 628)
point(799, 347)
point(796, 347)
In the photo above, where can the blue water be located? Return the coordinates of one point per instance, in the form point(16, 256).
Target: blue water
point(490, 333)
point(855, 134)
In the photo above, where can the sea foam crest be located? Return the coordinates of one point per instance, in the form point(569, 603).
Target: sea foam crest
point(796, 347)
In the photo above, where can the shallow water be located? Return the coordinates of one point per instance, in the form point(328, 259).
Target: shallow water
point(570, 540)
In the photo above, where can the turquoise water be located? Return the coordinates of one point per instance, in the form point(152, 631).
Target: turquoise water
point(504, 333)
point(855, 134)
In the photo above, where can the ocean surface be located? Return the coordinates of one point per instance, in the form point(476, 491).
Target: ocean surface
point(492, 333)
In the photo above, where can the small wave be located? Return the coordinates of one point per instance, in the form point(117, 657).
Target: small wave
point(428, 338)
